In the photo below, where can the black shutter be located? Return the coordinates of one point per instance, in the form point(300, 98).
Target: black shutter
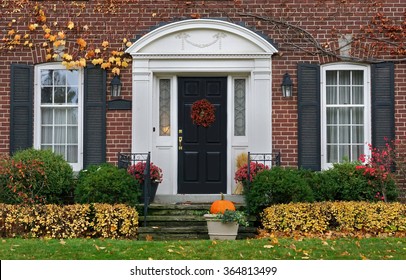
point(383, 103)
point(94, 146)
point(21, 107)
point(309, 146)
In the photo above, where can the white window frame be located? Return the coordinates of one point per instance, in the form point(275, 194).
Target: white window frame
point(37, 109)
point(367, 106)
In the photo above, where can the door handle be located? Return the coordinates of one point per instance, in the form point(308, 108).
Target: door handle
point(180, 143)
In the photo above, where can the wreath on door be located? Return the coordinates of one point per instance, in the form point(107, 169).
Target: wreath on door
point(202, 113)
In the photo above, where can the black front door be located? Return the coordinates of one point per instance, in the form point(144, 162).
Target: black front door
point(202, 151)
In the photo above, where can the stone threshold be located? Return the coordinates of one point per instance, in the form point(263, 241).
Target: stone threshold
point(196, 198)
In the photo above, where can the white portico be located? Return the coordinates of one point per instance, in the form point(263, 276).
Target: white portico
point(200, 49)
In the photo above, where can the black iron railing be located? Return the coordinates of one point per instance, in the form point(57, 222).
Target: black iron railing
point(267, 159)
point(125, 160)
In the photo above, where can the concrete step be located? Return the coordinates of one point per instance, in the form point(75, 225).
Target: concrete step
point(186, 233)
point(180, 221)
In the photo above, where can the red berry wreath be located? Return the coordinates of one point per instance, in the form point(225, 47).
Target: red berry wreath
point(202, 113)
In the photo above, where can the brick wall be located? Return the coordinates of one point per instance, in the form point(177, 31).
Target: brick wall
point(97, 21)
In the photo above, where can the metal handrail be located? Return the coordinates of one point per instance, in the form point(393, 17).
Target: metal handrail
point(125, 160)
point(273, 158)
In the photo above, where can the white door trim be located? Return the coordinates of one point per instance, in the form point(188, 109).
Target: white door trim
point(200, 48)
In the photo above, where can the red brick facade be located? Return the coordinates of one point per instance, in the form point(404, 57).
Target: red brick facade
point(321, 20)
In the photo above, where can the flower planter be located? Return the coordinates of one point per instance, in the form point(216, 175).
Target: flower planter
point(219, 230)
point(153, 189)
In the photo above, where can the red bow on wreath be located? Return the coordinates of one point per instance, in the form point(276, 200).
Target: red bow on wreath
point(202, 113)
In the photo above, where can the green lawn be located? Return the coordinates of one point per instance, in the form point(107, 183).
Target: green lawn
point(273, 249)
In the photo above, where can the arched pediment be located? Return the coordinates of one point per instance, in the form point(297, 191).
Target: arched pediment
point(201, 37)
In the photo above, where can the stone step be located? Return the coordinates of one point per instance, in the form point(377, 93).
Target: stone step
point(180, 221)
point(186, 233)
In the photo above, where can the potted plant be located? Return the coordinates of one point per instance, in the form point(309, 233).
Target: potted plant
point(155, 174)
point(241, 175)
point(223, 220)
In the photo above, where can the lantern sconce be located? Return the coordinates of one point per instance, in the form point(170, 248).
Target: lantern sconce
point(115, 86)
point(287, 86)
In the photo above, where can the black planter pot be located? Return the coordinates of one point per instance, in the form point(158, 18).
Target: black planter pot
point(153, 189)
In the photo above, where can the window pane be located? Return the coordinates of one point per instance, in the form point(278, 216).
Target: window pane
point(46, 116)
point(72, 115)
point(72, 95)
point(345, 95)
point(331, 77)
point(358, 115)
point(60, 135)
point(344, 115)
point(332, 115)
point(239, 107)
point(46, 95)
point(344, 77)
point(46, 77)
point(357, 95)
point(344, 153)
point(60, 77)
point(332, 153)
point(72, 135)
point(164, 107)
point(344, 132)
point(331, 97)
point(72, 78)
point(358, 134)
point(332, 135)
point(357, 77)
point(60, 94)
point(60, 150)
point(60, 116)
point(357, 151)
point(46, 135)
point(72, 153)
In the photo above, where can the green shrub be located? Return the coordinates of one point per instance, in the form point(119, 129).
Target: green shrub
point(106, 183)
point(36, 176)
point(344, 182)
point(278, 185)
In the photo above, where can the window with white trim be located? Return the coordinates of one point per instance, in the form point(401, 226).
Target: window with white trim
point(345, 113)
point(58, 112)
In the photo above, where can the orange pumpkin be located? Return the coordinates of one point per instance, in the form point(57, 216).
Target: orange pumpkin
point(220, 206)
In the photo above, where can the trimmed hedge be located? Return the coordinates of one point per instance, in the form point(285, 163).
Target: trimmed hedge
point(70, 221)
point(320, 217)
point(343, 182)
point(106, 183)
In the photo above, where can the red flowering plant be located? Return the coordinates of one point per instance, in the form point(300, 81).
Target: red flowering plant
point(241, 175)
point(378, 167)
point(203, 113)
point(137, 171)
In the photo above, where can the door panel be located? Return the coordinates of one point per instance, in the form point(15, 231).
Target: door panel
point(202, 153)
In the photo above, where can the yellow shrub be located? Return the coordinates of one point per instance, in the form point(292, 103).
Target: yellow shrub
point(71, 221)
point(340, 216)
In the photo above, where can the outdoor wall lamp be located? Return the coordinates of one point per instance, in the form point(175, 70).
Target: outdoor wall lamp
point(287, 86)
point(115, 86)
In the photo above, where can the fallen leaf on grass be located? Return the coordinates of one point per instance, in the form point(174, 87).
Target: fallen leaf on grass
point(62, 242)
point(345, 253)
point(324, 243)
point(275, 241)
point(292, 246)
point(99, 248)
point(363, 257)
point(268, 246)
point(358, 244)
point(170, 251)
point(4, 241)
